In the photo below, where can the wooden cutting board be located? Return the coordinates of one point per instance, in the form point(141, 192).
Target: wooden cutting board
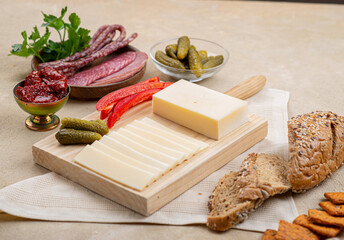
point(58, 158)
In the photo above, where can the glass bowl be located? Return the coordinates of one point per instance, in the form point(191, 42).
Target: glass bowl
point(42, 116)
point(212, 48)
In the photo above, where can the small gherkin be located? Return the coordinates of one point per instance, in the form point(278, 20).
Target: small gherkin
point(68, 136)
point(97, 126)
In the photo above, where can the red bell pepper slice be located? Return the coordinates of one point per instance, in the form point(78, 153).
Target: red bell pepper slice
point(154, 79)
point(127, 91)
point(106, 111)
point(123, 105)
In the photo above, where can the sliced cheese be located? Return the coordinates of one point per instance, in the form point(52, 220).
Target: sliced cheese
point(109, 167)
point(201, 109)
point(171, 161)
point(113, 143)
point(128, 160)
point(162, 126)
point(170, 135)
point(160, 139)
point(155, 145)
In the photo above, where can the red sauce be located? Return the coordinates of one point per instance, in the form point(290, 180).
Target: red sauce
point(44, 86)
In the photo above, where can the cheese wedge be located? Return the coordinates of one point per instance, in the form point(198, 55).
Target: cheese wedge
point(161, 148)
point(171, 161)
point(160, 139)
point(113, 143)
point(201, 109)
point(126, 159)
point(113, 169)
point(162, 126)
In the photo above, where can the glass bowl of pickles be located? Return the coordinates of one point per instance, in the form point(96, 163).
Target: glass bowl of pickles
point(192, 59)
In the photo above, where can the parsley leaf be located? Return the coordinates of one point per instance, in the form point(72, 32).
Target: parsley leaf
point(74, 20)
point(48, 50)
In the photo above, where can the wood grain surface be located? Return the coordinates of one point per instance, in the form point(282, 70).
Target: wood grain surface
point(58, 158)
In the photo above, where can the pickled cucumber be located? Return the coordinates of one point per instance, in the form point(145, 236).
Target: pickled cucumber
point(166, 60)
point(203, 54)
point(216, 61)
point(68, 136)
point(207, 59)
point(97, 126)
point(195, 63)
point(183, 55)
point(183, 47)
point(171, 50)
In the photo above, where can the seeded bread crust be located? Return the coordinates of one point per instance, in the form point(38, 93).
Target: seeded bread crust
point(316, 148)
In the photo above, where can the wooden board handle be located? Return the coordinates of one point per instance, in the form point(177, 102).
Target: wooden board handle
point(247, 88)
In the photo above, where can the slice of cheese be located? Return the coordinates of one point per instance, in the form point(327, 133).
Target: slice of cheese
point(113, 169)
point(160, 139)
point(155, 145)
point(113, 143)
point(126, 159)
point(162, 126)
point(196, 147)
point(201, 109)
point(171, 161)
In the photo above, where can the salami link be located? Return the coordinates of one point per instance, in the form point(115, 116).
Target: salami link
point(111, 66)
point(101, 45)
point(110, 48)
point(128, 71)
point(99, 31)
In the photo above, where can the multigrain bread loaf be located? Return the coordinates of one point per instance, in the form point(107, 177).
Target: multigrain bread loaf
point(316, 148)
point(260, 176)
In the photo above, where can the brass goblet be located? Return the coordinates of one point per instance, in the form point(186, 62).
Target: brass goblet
point(42, 116)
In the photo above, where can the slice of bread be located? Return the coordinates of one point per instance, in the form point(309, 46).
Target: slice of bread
point(262, 176)
point(226, 209)
point(238, 193)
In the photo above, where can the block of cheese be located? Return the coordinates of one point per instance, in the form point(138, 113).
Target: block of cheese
point(109, 167)
point(201, 109)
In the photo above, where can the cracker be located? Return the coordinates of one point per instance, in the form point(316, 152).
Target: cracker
point(325, 231)
point(332, 209)
point(322, 217)
point(269, 234)
point(335, 197)
point(290, 231)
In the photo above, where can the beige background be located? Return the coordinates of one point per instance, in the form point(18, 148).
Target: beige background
point(298, 47)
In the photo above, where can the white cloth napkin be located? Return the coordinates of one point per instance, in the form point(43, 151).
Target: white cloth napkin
point(52, 197)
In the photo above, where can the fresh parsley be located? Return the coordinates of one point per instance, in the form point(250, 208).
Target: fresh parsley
point(73, 38)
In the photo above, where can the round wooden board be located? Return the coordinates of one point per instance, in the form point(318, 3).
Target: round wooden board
point(95, 92)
